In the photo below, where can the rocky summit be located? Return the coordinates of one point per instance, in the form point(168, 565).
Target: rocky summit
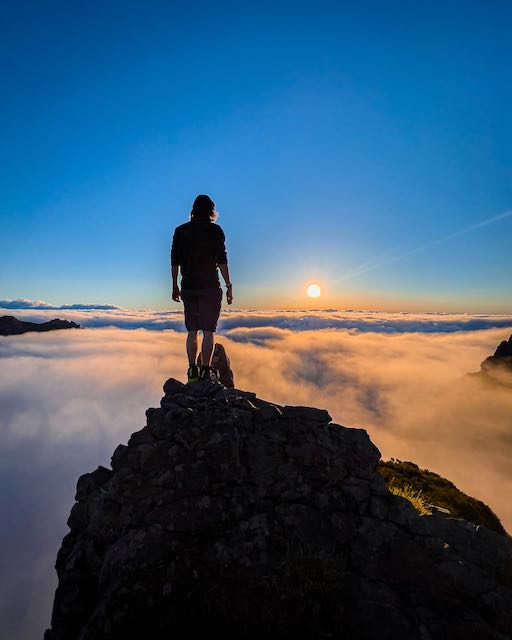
point(227, 514)
point(499, 366)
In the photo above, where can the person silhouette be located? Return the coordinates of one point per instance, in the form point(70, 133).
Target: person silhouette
point(198, 249)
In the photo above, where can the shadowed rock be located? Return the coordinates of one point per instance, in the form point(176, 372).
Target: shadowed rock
point(228, 514)
point(220, 360)
point(497, 369)
point(502, 357)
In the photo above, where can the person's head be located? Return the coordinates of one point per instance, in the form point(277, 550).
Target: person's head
point(203, 209)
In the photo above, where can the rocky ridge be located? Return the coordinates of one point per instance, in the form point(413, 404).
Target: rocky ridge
point(11, 326)
point(439, 493)
point(499, 365)
point(230, 514)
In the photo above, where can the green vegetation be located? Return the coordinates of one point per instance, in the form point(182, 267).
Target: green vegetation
point(415, 496)
point(422, 487)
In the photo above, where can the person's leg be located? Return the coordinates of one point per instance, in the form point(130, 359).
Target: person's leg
point(209, 309)
point(206, 347)
point(192, 346)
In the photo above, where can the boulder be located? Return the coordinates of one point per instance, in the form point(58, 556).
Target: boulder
point(220, 360)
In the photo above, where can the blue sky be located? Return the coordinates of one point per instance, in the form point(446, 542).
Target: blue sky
point(329, 137)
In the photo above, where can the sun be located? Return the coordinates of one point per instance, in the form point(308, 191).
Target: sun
point(314, 291)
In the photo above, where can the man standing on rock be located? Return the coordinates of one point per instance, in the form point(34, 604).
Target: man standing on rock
point(198, 247)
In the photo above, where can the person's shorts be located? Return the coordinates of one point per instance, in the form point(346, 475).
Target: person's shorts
point(202, 308)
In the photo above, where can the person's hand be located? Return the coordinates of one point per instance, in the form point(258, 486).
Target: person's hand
point(176, 294)
point(229, 294)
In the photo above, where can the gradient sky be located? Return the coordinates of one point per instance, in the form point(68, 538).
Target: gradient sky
point(359, 146)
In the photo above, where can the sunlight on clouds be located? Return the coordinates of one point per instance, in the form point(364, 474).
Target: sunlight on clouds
point(83, 382)
point(296, 320)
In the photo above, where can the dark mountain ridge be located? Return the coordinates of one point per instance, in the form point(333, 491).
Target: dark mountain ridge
point(497, 369)
point(11, 326)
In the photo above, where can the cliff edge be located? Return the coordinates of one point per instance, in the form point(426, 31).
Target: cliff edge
point(227, 514)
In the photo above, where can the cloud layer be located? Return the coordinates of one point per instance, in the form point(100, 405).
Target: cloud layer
point(69, 397)
point(95, 316)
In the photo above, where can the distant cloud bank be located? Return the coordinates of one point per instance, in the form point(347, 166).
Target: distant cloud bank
point(259, 325)
point(23, 303)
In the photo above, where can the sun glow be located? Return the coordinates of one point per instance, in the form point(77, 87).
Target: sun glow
point(314, 291)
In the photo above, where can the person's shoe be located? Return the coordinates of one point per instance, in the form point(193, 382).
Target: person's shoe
point(208, 373)
point(192, 373)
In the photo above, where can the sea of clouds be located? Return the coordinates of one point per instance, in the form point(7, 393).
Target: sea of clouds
point(105, 315)
point(69, 397)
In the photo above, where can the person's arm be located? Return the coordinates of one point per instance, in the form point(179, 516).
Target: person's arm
point(222, 263)
point(175, 262)
point(224, 269)
point(175, 288)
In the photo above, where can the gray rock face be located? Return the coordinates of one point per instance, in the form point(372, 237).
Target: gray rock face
point(227, 514)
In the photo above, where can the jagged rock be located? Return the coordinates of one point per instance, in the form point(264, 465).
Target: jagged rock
point(501, 360)
point(496, 369)
point(227, 514)
point(10, 326)
point(504, 350)
point(91, 481)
